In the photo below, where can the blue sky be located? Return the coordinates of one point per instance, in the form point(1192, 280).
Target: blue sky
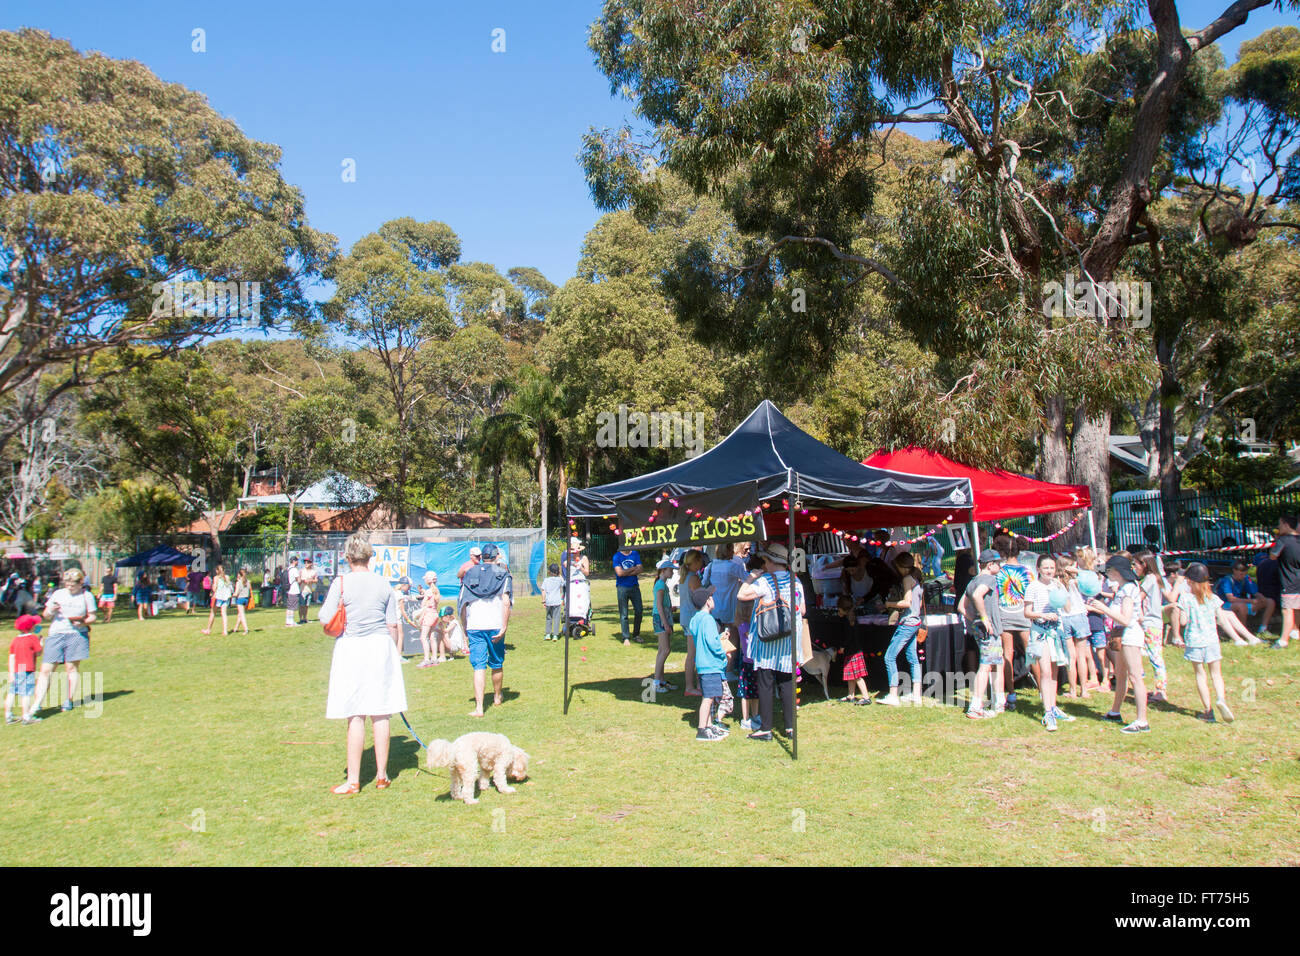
point(439, 125)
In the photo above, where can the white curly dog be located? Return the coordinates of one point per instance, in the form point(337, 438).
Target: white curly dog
point(479, 757)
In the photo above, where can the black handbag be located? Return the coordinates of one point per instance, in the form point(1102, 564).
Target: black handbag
point(772, 617)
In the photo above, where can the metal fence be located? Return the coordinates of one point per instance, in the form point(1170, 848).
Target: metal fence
point(1200, 522)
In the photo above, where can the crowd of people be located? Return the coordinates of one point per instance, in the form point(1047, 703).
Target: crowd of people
point(1081, 623)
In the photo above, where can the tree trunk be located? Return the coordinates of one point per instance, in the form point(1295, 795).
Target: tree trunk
point(541, 487)
point(1090, 464)
point(496, 488)
point(1177, 532)
point(214, 521)
point(562, 478)
point(288, 531)
point(1055, 464)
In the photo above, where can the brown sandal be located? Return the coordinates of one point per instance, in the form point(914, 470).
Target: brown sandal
point(349, 789)
point(382, 783)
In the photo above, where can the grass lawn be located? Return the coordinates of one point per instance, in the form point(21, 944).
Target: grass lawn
point(215, 751)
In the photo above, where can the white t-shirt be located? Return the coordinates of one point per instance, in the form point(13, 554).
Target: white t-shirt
point(486, 615)
point(64, 605)
point(295, 575)
point(1132, 635)
point(1039, 595)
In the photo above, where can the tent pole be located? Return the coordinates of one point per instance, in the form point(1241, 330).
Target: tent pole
point(566, 566)
point(1092, 530)
point(796, 640)
point(975, 537)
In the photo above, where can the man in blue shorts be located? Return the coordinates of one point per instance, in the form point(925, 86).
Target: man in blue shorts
point(485, 602)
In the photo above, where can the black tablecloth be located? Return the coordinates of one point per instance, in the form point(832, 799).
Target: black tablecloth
point(941, 654)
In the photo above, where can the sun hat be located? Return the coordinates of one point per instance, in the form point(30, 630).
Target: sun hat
point(988, 556)
point(776, 551)
point(576, 545)
point(664, 562)
point(1121, 566)
point(1198, 573)
point(475, 552)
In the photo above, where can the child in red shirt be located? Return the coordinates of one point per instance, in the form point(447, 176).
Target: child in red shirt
point(23, 651)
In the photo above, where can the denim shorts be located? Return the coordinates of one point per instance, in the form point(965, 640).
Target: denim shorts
point(1098, 640)
point(1075, 626)
point(710, 685)
point(485, 652)
point(24, 684)
point(1203, 655)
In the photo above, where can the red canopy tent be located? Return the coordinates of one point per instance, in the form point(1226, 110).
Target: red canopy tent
point(998, 494)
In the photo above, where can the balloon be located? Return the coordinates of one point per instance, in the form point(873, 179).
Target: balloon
point(1089, 583)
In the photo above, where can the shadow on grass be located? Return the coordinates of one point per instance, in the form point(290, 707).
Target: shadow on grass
point(81, 705)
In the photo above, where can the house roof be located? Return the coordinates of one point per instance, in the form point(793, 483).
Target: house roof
point(333, 491)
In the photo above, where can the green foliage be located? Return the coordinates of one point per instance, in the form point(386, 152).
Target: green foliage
point(114, 181)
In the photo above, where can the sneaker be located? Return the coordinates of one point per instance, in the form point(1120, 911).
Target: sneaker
point(1000, 706)
point(751, 723)
point(978, 714)
point(1111, 715)
point(66, 706)
point(1156, 697)
point(1223, 709)
point(11, 719)
point(32, 720)
point(1049, 721)
point(862, 701)
point(719, 729)
point(663, 687)
point(1061, 715)
point(889, 700)
point(1208, 716)
point(761, 735)
point(708, 734)
point(1135, 728)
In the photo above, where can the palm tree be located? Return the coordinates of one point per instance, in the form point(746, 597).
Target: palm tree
point(532, 416)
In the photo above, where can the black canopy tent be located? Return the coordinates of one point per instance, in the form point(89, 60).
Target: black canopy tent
point(785, 464)
point(163, 554)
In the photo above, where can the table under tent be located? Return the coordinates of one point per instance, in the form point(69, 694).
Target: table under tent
point(767, 480)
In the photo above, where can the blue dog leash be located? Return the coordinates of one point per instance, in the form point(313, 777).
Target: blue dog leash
point(412, 730)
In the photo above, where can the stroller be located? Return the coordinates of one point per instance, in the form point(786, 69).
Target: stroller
point(580, 607)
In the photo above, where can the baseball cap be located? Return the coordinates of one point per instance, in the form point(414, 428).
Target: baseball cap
point(664, 562)
point(27, 622)
point(489, 552)
point(446, 612)
point(475, 552)
point(1198, 573)
point(988, 556)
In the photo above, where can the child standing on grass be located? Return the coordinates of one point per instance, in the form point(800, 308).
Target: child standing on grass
point(855, 662)
point(1125, 610)
point(243, 592)
point(661, 615)
point(553, 603)
point(23, 651)
point(1078, 634)
point(222, 591)
point(747, 681)
point(1199, 608)
point(1044, 601)
point(979, 607)
point(710, 662)
point(1152, 584)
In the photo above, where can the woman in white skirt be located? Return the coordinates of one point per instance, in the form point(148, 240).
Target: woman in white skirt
point(366, 673)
